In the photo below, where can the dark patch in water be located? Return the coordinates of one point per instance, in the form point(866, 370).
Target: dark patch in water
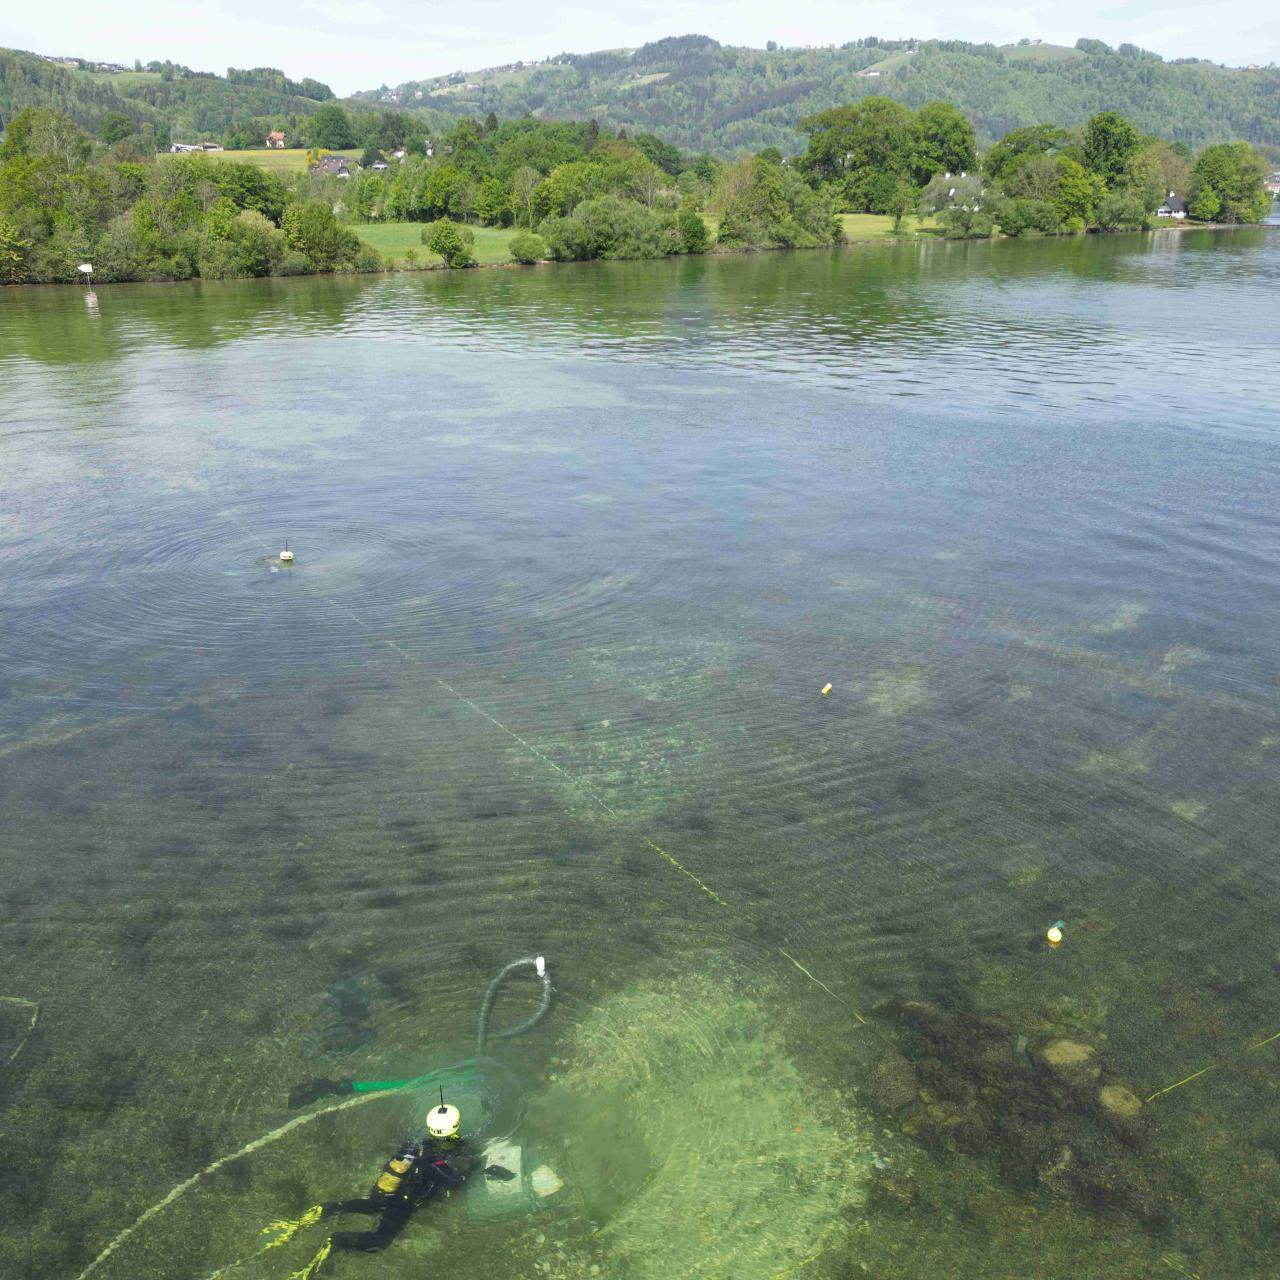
point(382, 899)
point(174, 847)
point(484, 809)
point(695, 819)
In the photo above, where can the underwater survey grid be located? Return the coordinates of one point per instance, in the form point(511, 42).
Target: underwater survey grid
point(854, 672)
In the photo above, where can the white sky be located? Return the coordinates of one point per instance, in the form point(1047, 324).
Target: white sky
point(359, 44)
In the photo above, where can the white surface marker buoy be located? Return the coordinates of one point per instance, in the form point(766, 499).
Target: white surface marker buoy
point(287, 556)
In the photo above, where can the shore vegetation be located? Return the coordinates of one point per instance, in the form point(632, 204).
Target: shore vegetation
point(521, 191)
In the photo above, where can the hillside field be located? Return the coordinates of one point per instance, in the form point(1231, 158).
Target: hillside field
point(284, 162)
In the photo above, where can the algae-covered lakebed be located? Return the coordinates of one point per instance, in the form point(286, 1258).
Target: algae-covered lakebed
point(576, 554)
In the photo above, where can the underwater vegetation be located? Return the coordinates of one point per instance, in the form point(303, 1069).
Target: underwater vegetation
point(698, 1144)
point(1045, 1107)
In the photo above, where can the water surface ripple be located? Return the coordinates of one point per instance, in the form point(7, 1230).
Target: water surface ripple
point(576, 551)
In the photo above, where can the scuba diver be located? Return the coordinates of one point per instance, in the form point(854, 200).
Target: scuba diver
point(421, 1168)
point(442, 1161)
point(424, 1165)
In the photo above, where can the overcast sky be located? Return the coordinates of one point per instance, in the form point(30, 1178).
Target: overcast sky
point(360, 44)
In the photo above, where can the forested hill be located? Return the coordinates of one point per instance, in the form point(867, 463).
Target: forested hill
point(173, 100)
point(704, 96)
point(694, 92)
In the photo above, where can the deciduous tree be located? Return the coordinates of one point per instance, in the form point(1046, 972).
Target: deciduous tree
point(330, 127)
point(1109, 141)
point(946, 142)
point(451, 241)
point(1233, 174)
point(855, 148)
point(527, 247)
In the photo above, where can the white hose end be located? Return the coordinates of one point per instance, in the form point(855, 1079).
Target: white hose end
point(540, 964)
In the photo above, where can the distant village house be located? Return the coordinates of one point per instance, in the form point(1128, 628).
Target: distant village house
point(275, 138)
point(1174, 206)
point(333, 166)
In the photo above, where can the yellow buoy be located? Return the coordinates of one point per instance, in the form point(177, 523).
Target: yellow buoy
point(1054, 935)
point(826, 689)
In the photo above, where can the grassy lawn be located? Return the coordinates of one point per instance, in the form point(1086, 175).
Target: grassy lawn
point(283, 162)
point(394, 239)
point(893, 61)
point(121, 79)
point(861, 227)
point(879, 226)
point(1040, 53)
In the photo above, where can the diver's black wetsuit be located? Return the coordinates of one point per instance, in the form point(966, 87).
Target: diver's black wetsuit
point(410, 1178)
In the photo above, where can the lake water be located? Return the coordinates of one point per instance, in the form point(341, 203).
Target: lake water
point(577, 550)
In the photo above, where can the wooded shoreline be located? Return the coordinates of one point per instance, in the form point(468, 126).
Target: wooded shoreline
point(715, 252)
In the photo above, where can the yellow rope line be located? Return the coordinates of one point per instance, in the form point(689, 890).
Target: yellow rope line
point(1213, 1066)
point(23, 1003)
point(1195, 1075)
point(586, 789)
point(248, 1149)
point(577, 783)
point(183, 1187)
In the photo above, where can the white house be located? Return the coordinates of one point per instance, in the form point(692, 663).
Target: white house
point(1174, 206)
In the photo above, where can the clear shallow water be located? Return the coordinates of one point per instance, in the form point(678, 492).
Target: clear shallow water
point(576, 550)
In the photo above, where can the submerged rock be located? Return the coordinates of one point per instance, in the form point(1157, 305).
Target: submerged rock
point(1122, 1110)
point(892, 1083)
point(1073, 1063)
point(1116, 1099)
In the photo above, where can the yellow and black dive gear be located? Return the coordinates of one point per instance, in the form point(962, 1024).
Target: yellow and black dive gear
point(394, 1172)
